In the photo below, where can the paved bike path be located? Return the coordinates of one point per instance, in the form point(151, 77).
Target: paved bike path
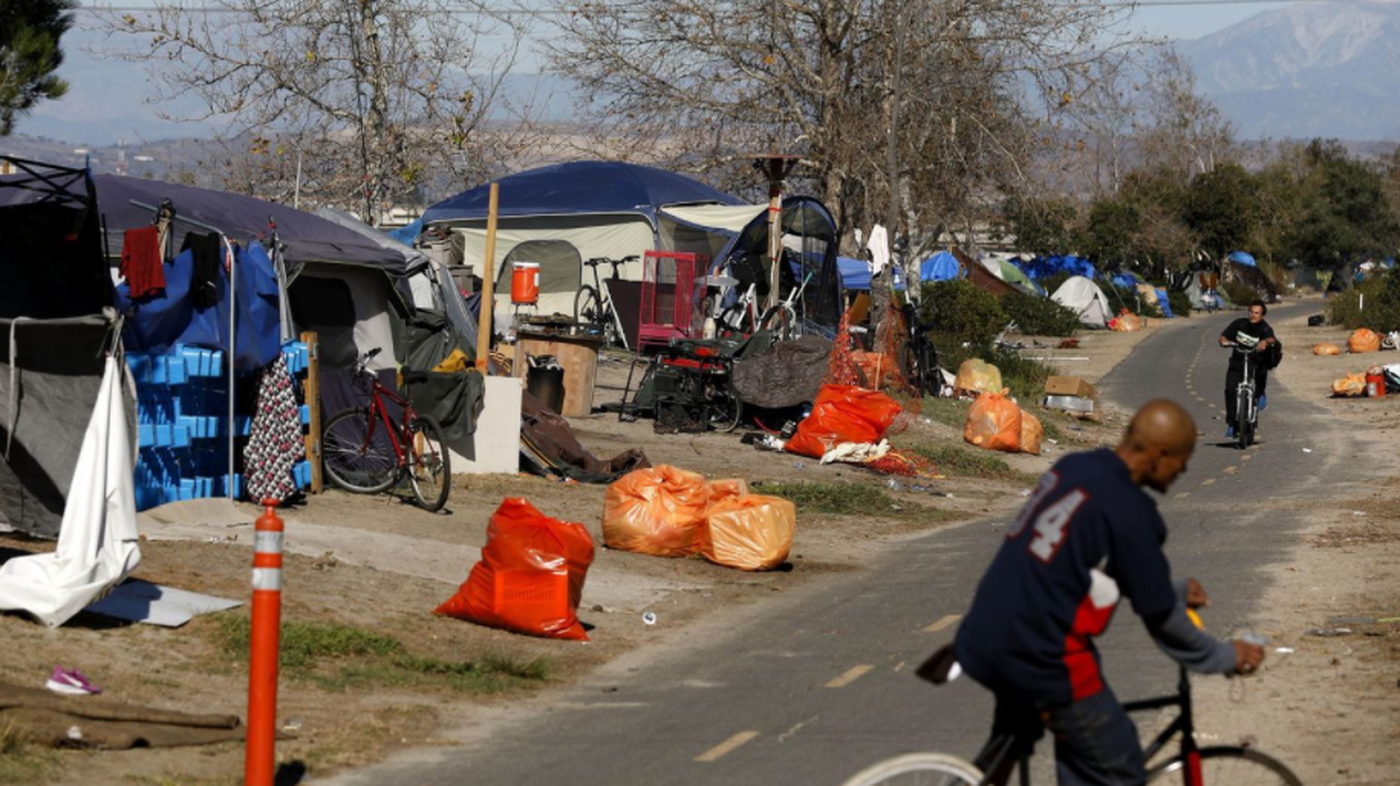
point(813, 689)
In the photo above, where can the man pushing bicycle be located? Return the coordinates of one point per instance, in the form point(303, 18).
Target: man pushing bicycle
point(1087, 537)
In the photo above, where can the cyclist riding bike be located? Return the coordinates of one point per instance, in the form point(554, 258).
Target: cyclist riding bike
point(1088, 536)
point(1254, 334)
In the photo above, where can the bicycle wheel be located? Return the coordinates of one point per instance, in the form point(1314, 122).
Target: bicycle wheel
point(1226, 766)
point(430, 468)
point(918, 769)
point(354, 459)
point(723, 405)
point(588, 307)
point(779, 320)
point(1244, 427)
point(913, 369)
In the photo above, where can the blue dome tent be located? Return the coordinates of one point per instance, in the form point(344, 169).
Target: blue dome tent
point(942, 266)
point(1243, 258)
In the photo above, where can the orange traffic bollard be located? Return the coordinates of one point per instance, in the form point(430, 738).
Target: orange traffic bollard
point(261, 762)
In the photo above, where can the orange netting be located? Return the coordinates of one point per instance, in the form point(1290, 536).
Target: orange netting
point(878, 369)
point(909, 465)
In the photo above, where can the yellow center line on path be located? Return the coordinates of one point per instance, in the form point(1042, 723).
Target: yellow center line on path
point(852, 674)
point(1182, 494)
point(1207, 481)
point(725, 748)
point(948, 621)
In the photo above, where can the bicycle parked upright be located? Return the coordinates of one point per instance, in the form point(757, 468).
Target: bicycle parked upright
point(593, 306)
point(363, 458)
point(918, 358)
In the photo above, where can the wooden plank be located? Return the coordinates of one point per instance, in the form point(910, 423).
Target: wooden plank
point(488, 283)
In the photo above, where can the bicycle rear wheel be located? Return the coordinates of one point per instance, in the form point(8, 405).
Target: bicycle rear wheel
point(1226, 766)
point(354, 459)
point(588, 307)
point(918, 769)
point(430, 468)
point(1244, 425)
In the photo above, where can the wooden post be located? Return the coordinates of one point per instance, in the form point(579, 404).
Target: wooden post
point(312, 389)
point(488, 284)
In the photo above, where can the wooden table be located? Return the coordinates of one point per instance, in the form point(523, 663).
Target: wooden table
point(577, 354)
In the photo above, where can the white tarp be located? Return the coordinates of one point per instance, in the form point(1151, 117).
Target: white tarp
point(97, 543)
point(726, 218)
point(1086, 299)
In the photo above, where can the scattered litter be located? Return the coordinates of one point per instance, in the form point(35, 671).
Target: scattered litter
point(800, 464)
point(1307, 450)
point(75, 733)
point(291, 726)
point(70, 682)
point(1330, 632)
point(1025, 492)
point(1284, 650)
point(894, 484)
point(1358, 513)
point(649, 618)
point(1052, 441)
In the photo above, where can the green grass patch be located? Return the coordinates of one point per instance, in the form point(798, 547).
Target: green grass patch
point(839, 498)
point(340, 657)
point(958, 459)
point(23, 762)
point(948, 411)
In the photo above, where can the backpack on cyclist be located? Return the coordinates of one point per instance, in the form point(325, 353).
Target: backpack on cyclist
point(1273, 355)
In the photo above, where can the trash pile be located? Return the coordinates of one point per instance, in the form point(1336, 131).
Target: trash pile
point(664, 511)
point(1377, 380)
point(996, 422)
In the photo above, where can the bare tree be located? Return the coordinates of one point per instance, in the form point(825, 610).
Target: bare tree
point(960, 90)
point(357, 102)
point(1181, 131)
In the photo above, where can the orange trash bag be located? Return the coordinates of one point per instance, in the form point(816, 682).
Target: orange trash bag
point(977, 376)
point(1350, 385)
point(655, 511)
point(841, 414)
point(1364, 340)
point(752, 532)
point(1031, 433)
point(530, 576)
point(717, 490)
point(1327, 349)
point(994, 422)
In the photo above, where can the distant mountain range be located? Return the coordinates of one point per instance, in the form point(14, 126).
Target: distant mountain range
point(1325, 68)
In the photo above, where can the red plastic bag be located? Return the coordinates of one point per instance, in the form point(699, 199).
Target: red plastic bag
point(994, 422)
point(842, 414)
point(656, 511)
point(752, 532)
point(530, 576)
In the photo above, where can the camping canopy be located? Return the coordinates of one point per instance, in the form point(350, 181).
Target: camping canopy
point(1086, 299)
point(1016, 278)
point(1243, 258)
point(942, 266)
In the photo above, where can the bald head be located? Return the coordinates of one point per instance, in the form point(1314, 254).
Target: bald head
point(1159, 440)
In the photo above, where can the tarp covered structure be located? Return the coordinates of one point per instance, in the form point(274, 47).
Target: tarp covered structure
point(603, 209)
point(1243, 258)
point(1044, 267)
point(942, 266)
point(1254, 278)
point(1086, 299)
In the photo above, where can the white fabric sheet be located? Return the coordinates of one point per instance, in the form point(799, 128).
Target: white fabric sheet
point(879, 247)
point(97, 544)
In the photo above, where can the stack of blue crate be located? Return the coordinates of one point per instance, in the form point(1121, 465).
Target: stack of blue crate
point(182, 424)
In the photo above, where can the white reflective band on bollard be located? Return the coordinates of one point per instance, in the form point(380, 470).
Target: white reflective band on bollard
point(268, 542)
point(267, 579)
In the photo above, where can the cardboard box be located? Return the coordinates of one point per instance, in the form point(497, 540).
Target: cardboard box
point(1069, 386)
point(1070, 403)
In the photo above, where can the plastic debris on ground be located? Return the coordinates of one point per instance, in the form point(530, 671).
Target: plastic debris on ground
point(655, 511)
point(1363, 340)
point(530, 576)
point(1326, 348)
point(841, 414)
point(977, 376)
point(1351, 385)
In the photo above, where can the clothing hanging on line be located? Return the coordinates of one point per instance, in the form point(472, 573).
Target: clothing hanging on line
point(142, 261)
point(208, 252)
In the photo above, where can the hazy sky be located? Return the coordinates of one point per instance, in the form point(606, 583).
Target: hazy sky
point(1197, 20)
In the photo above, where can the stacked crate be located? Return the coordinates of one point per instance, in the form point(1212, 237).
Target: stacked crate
point(182, 423)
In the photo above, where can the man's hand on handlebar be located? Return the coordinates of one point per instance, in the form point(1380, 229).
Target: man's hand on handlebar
point(1247, 657)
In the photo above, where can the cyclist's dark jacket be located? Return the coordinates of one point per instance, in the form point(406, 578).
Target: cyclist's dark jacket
point(1246, 334)
point(1087, 534)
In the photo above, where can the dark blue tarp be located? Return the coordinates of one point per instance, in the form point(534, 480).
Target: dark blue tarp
point(581, 187)
point(855, 275)
point(162, 321)
point(942, 266)
point(1044, 267)
point(305, 237)
point(1243, 258)
point(408, 235)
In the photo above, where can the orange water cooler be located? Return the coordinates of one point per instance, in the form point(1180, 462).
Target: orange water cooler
point(525, 284)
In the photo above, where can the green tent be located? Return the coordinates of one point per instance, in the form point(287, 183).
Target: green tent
point(1013, 276)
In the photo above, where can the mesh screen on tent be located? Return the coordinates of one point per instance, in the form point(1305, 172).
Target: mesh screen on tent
point(561, 267)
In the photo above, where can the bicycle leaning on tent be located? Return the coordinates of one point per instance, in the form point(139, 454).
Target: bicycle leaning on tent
point(593, 305)
point(362, 458)
point(1191, 765)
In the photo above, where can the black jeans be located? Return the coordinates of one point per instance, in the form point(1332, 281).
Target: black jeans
point(1096, 744)
point(1233, 377)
